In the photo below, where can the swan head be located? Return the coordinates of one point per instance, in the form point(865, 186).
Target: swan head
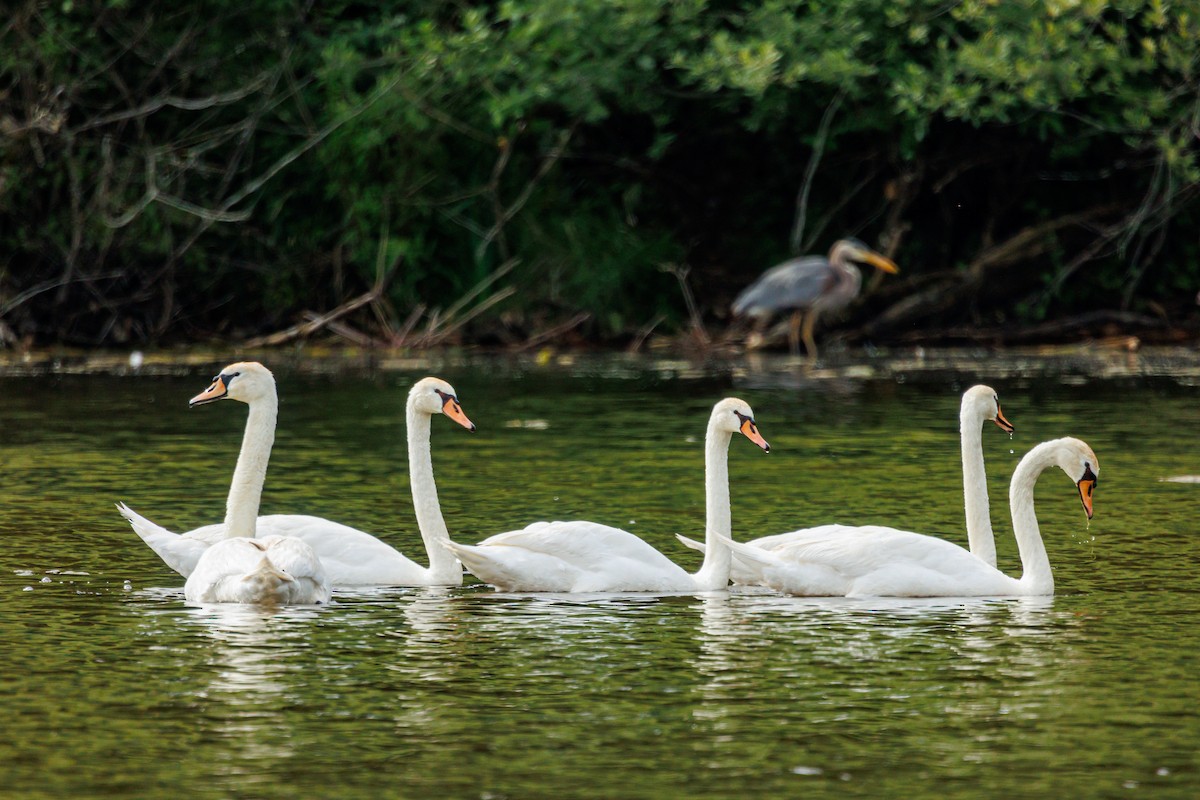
point(435, 396)
point(732, 415)
point(982, 403)
point(1077, 460)
point(246, 381)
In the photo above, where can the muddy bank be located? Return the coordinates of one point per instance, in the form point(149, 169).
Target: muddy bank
point(1065, 363)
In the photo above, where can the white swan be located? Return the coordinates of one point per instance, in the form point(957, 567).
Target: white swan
point(979, 405)
point(583, 556)
point(273, 570)
point(240, 568)
point(884, 562)
point(351, 557)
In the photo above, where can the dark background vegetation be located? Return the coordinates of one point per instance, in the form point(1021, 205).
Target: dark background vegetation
point(537, 170)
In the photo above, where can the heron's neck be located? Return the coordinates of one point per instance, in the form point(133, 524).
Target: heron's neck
point(245, 492)
point(443, 566)
point(849, 280)
point(714, 572)
point(1036, 577)
point(975, 494)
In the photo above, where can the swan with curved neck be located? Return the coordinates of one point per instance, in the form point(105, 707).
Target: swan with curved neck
point(351, 557)
point(979, 405)
point(883, 562)
point(580, 556)
point(241, 568)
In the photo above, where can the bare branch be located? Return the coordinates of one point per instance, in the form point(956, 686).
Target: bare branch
point(431, 338)
point(210, 215)
point(183, 103)
point(811, 171)
point(556, 331)
point(315, 322)
point(45, 286)
point(551, 158)
point(496, 275)
point(442, 117)
point(697, 322)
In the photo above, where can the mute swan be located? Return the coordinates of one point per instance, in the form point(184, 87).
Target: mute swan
point(351, 557)
point(240, 568)
point(979, 405)
point(883, 562)
point(581, 556)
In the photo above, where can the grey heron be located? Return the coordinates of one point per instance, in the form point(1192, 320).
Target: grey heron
point(810, 284)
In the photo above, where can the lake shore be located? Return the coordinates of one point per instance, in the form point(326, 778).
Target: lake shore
point(1070, 362)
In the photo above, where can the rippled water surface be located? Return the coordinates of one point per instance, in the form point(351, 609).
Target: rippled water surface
point(110, 686)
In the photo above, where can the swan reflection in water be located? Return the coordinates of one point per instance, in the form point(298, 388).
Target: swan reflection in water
point(955, 672)
point(259, 659)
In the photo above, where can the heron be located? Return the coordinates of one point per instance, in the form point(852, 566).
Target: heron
point(811, 284)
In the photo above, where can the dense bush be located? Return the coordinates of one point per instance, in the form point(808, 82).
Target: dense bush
point(172, 171)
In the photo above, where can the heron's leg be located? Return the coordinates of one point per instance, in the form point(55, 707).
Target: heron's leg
point(794, 332)
point(810, 343)
point(754, 339)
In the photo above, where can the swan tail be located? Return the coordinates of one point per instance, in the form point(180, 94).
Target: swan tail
point(179, 552)
point(514, 569)
point(692, 543)
point(472, 558)
point(267, 571)
point(750, 555)
point(269, 585)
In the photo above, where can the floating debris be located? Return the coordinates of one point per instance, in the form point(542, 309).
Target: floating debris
point(807, 771)
point(528, 424)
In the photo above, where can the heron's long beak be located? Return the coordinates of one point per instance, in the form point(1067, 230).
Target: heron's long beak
point(750, 431)
point(453, 410)
point(881, 262)
point(212, 393)
point(1004, 424)
point(1087, 485)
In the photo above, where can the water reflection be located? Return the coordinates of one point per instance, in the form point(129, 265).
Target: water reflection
point(466, 692)
point(256, 657)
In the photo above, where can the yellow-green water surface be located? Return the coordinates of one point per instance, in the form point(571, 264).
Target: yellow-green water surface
point(111, 686)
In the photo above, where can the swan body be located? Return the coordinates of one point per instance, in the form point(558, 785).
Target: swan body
point(580, 556)
point(979, 405)
point(240, 568)
point(351, 557)
point(272, 570)
point(875, 561)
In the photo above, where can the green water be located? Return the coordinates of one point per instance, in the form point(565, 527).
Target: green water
point(111, 687)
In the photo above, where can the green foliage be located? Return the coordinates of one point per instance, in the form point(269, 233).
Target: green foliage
point(164, 166)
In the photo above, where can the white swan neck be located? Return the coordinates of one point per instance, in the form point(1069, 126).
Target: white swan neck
point(245, 491)
point(443, 566)
point(714, 571)
point(1037, 577)
point(981, 539)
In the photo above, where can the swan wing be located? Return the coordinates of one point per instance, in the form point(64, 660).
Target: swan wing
point(350, 557)
point(219, 573)
point(575, 556)
point(276, 570)
point(873, 561)
point(310, 584)
point(781, 539)
point(761, 567)
point(580, 541)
